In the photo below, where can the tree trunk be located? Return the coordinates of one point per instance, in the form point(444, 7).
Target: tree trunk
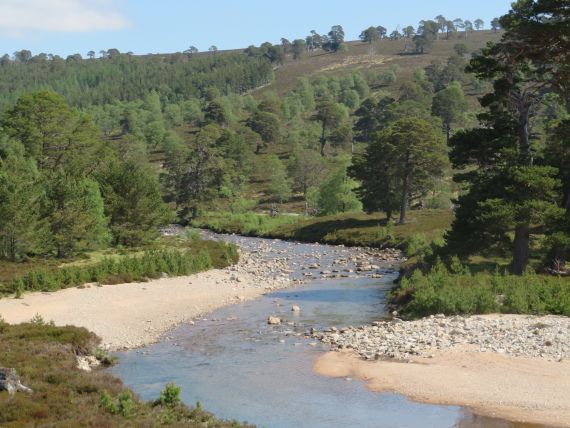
point(557, 257)
point(520, 249)
point(323, 140)
point(12, 250)
point(404, 192)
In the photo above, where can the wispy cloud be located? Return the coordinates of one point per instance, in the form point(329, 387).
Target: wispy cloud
point(20, 16)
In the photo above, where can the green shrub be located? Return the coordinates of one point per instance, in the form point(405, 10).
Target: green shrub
point(170, 396)
point(38, 319)
point(107, 402)
point(454, 290)
point(198, 257)
point(126, 406)
point(40, 280)
point(193, 234)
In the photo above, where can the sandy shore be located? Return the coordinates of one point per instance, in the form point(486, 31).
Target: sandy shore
point(498, 385)
point(131, 315)
point(136, 314)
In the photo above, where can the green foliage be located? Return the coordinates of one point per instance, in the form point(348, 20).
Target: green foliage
point(398, 162)
point(267, 125)
point(123, 406)
point(52, 133)
point(419, 73)
point(107, 402)
point(201, 256)
point(336, 192)
point(369, 35)
point(330, 115)
point(248, 224)
point(94, 82)
point(38, 319)
point(126, 406)
point(280, 186)
point(74, 210)
point(455, 291)
point(170, 396)
point(23, 233)
point(449, 105)
point(460, 48)
point(241, 206)
point(132, 203)
point(307, 169)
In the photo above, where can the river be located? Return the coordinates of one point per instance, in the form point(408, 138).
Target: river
point(239, 367)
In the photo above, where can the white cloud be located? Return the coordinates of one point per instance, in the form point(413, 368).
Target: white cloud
point(19, 16)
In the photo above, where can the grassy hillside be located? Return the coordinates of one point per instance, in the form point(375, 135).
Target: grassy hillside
point(376, 56)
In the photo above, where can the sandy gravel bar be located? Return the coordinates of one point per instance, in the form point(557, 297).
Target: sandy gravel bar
point(136, 314)
point(484, 368)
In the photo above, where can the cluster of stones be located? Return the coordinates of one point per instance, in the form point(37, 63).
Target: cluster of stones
point(267, 273)
point(274, 272)
point(526, 336)
point(364, 264)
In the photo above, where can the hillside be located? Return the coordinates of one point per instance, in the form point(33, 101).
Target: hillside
point(377, 56)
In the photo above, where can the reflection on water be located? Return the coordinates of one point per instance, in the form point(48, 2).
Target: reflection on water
point(239, 367)
point(471, 420)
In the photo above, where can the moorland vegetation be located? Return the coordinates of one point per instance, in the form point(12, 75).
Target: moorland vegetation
point(448, 140)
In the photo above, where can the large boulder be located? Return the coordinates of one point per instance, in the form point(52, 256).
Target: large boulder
point(10, 381)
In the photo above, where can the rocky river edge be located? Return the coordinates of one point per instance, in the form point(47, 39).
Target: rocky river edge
point(546, 337)
point(528, 336)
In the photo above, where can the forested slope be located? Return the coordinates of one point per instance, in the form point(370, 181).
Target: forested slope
point(316, 126)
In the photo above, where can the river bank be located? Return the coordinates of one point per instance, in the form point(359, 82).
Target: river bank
point(453, 371)
point(515, 367)
point(132, 315)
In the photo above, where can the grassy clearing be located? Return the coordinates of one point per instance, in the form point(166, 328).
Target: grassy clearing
point(45, 358)
point(249, 224)
point(367, 230)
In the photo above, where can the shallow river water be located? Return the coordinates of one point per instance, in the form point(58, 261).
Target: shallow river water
point(239, 367)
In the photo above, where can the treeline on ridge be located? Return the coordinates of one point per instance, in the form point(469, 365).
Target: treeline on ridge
point(122, 77)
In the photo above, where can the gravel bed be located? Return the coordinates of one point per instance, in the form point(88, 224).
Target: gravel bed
point(517, 335)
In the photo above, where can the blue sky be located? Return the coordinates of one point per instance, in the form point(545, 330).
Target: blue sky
point(66, 27)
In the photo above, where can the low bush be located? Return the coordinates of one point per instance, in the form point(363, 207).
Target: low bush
point(170, 396)
point(455, 290)
point(198, 257)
